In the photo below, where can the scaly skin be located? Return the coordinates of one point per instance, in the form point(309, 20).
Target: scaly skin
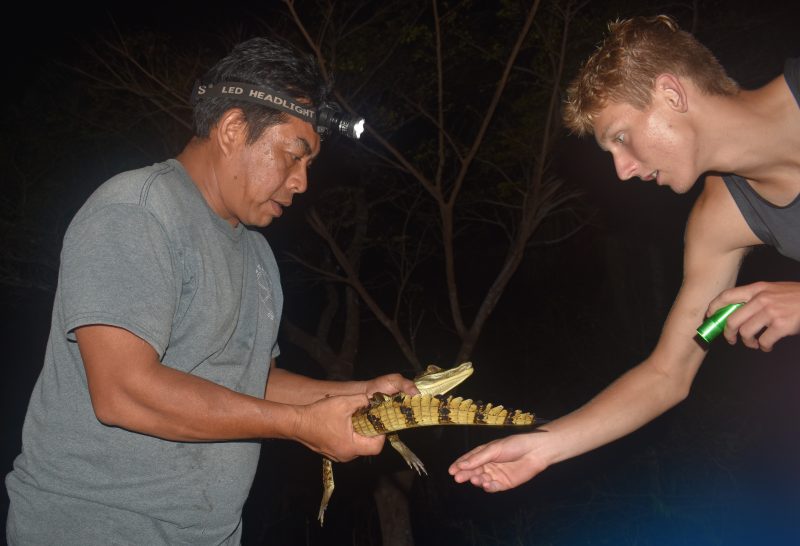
point(402, 411)
point(387, 414)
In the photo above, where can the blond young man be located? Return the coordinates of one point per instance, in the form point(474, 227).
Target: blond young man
point(661, 104)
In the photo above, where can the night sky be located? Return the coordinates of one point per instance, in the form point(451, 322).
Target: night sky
point(721, 468)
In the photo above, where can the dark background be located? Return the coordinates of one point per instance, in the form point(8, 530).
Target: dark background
point(721, 468)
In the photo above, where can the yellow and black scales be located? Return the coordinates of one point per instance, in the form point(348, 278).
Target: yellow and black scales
point(388, 414)
point(403, 411)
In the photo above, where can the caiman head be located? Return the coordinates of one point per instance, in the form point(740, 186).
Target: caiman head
point(435, 380)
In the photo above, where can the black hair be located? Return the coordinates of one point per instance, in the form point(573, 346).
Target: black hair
point(265, 62)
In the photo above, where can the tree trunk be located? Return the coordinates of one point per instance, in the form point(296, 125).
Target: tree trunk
point(391, 499)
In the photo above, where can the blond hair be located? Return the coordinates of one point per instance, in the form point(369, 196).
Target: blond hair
point(626, 64)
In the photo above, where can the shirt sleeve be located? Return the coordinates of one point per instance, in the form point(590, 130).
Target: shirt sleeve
point(117, 269)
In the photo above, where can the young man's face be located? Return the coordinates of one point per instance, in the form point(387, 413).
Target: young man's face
point(654, 144)
point(267, 174)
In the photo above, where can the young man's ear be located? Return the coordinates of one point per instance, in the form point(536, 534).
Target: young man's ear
point(671, 90)
point(231, 129)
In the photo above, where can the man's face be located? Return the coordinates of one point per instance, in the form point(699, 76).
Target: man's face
point(653, 144)
point(263, 177)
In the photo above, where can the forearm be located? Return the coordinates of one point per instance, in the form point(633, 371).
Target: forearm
point(665, 377)
point(131, 389)
point(286, 387)
point(637, 397)
point(174, 405)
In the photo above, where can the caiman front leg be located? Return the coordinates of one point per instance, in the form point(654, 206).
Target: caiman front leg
point(411, 459)
point(327, 487)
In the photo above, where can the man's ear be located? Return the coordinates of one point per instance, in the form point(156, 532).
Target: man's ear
point(671, 90)
point(231, 131)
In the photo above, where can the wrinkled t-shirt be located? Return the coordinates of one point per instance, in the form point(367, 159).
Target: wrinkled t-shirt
point(146, 253)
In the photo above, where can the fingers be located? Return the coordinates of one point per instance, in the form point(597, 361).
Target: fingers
point(503, 464)
point(391, 384)
point(491, 478)
point(328, 428)
point(478, 456)
point(736, 294)
point(748, 326)
point(758, 330)
point(401, 384)
point(359, 445)
point(733, 326)
point(408, 387)
point(767, 341)
point(487, 483)
point(771, 313)
point(475, 476)
point(353, 402)
point(367, 445)
point(463, 462)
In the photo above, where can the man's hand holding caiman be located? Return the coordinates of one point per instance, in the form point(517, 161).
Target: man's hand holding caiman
point(324, 410)
point(326, 427)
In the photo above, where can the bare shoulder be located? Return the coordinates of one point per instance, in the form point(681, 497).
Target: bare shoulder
point(716, 224)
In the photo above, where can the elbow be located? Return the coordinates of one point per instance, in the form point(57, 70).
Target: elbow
point(106, 414)
point(672, 385)
point(682, 392)
point(679, 389)
point(107, 408)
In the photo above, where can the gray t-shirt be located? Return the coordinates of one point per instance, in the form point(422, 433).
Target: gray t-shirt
point(147, 254)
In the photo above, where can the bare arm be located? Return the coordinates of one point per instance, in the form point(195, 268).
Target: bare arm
point(131, 389)
point(290, 388)
point(716, 241)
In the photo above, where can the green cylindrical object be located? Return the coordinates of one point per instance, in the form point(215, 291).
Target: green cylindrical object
point(715, 324)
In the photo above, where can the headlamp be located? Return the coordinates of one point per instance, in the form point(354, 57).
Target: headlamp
point(331, 118)
point(327, 118)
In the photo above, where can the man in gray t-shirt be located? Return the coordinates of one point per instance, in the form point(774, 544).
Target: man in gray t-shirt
point(143, 426)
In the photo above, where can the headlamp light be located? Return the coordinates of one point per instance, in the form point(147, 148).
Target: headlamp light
point(330, 118)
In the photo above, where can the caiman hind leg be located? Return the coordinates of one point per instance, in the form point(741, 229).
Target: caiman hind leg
point(327, 488)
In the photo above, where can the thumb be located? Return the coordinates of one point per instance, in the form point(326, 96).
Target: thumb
point(355, 402)
point(369, 445)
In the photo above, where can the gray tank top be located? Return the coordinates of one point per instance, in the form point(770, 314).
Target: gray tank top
point(774, 225)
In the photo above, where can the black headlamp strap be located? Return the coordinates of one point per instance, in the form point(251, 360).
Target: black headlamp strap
point(255, 94)
point(326, 118)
